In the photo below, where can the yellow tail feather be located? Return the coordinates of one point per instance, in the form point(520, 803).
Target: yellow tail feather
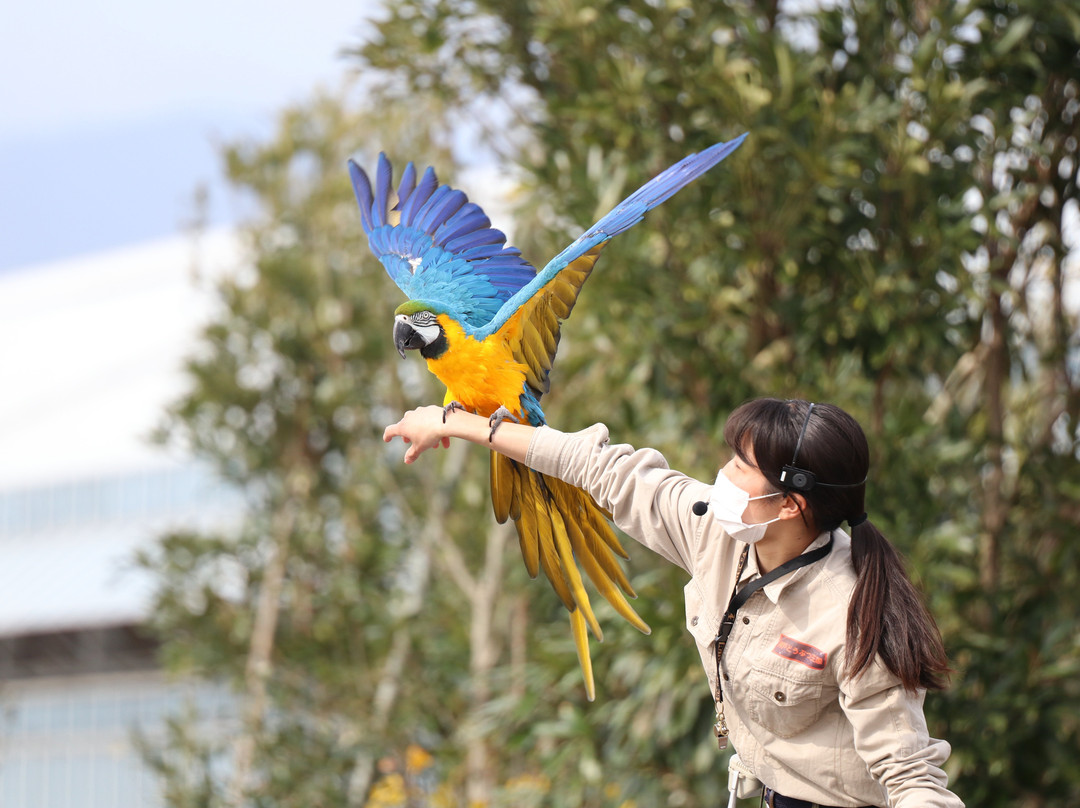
point(549, 554)
point(574, 500)
point(597, 518)
point(581, 643)
point(603, 583)
point(503, 478)
point(572, 575)
point(529, 539)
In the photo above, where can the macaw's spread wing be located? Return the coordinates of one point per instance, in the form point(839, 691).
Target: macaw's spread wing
point(533, 331)
point(531, 319)
point(620, 219)
point(436, 245)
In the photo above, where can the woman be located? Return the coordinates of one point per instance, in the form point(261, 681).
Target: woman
point(816, 644)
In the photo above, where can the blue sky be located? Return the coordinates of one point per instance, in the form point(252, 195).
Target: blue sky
point(109, 111)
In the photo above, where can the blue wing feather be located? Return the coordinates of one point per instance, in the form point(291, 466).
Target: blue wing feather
point(421, 216)
point(407, 184)
point(442, 250)
point(484, 251)
point(620, 219)
point(362, 189)
point(479, 238)
point(382, 192)
point(422, 193)
point(470, 217)
point(444, 203)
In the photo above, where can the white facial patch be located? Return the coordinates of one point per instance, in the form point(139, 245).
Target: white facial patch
point(423, 323)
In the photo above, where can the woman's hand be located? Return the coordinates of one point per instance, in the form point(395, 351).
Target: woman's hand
point(426, 428)
point(422, 428)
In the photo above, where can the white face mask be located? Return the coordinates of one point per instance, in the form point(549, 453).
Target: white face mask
point(727, 504)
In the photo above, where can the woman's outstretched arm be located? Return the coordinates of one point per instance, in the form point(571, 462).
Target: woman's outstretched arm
point(425, 428)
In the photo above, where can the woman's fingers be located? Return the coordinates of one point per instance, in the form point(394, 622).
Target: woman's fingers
point(421, 429)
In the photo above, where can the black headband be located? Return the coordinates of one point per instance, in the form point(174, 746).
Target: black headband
point(798, 479)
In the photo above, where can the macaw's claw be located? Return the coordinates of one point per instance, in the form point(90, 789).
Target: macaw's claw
point(449, 408)
point(497, 418)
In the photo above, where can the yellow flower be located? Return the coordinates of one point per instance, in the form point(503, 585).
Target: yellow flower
point(417, 759)
point(389, 792)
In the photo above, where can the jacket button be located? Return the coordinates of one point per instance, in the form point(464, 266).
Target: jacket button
point(693, 620)
point(727, 678)
point(779, 696)
point(746, 621)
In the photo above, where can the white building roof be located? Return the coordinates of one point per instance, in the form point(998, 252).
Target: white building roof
point(91, 352)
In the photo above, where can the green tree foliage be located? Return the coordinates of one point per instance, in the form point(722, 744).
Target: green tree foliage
point(892, 237)
point(1011, 407)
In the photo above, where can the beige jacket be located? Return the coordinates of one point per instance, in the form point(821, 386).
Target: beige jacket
point(804, 730)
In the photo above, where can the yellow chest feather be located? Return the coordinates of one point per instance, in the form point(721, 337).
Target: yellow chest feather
point(482, 375)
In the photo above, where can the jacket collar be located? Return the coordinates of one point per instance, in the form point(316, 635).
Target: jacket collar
point(772, 590)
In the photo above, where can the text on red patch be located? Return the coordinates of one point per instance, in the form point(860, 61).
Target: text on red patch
point(800, 652)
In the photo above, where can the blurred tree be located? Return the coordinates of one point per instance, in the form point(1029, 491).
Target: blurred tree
point(892, 237)
point(1011, 406)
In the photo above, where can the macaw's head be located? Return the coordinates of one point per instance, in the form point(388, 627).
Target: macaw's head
point(415, 328)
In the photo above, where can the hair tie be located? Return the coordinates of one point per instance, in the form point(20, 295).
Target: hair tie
point(858, 520)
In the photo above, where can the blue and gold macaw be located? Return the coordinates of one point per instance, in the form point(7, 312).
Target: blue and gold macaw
point(488, 325)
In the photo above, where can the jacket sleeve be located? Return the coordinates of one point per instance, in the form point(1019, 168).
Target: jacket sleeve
point(891, 737)
point(647, 500)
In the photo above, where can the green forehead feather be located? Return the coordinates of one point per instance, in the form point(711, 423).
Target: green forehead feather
point(410, 307)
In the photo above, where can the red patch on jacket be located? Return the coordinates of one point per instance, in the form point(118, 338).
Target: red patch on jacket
point(800, 652)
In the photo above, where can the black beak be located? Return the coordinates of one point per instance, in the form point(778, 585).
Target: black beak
point(405, 338)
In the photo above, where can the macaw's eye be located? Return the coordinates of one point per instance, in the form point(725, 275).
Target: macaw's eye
point(424, 318)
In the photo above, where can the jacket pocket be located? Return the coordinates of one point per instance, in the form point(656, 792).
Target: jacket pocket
point(785, 705)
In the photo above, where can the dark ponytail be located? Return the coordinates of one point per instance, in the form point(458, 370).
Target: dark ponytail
point(886, 616)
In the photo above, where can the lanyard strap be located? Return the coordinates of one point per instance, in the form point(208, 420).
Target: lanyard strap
point(738, 598)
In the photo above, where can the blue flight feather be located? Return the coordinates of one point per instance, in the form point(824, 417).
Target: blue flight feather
point(421, 216)
point(477, 238)
point(407, 184)
point(483, 251)
point(443, 204)
point(362, 189)
point(382, 192)
point(421, 194)
point(468, 218)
